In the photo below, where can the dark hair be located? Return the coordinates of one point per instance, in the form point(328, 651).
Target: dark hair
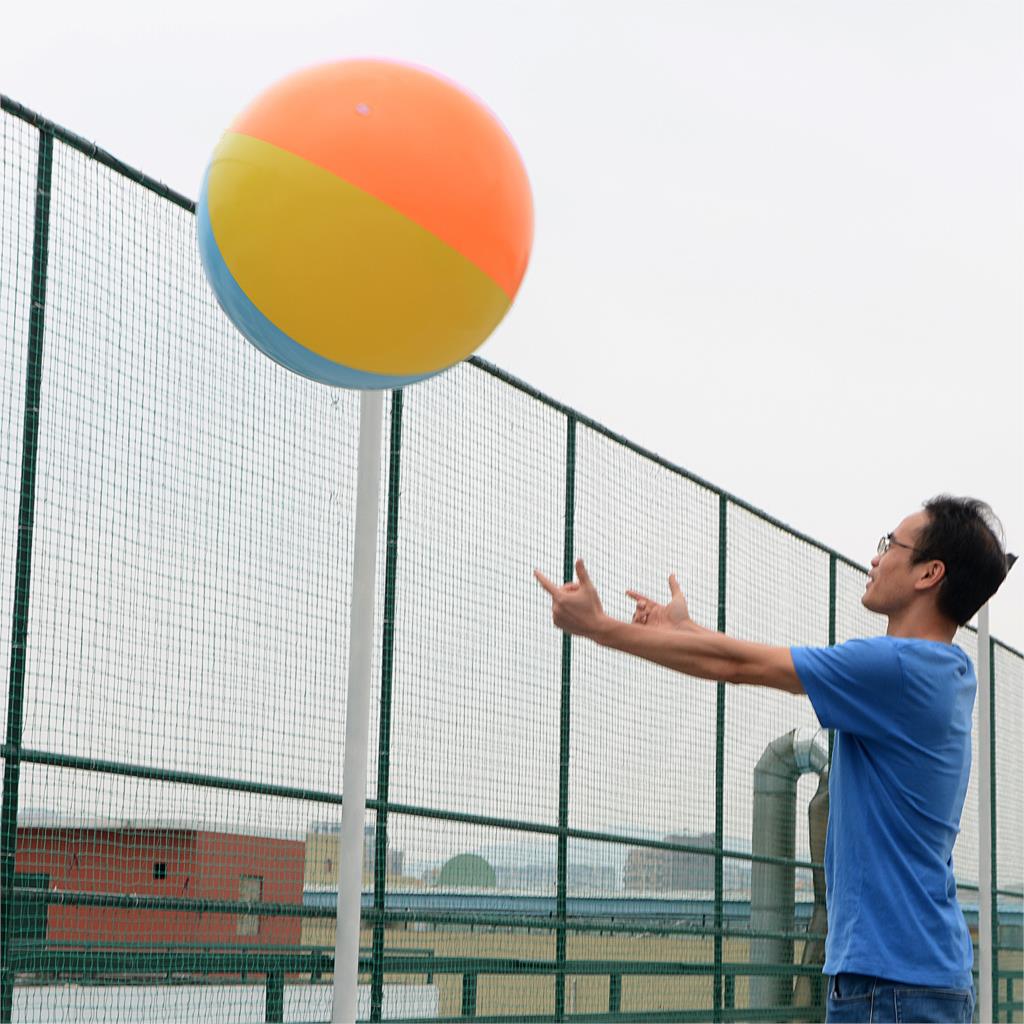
point(965, 535)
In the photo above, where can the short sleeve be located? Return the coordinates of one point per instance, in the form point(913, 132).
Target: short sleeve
point(855, 686)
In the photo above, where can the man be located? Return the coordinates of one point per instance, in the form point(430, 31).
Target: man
point(898, 948)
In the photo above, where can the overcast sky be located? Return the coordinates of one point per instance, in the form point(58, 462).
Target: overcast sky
point(778, 243)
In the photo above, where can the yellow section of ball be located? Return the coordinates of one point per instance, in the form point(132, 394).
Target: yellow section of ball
point(340, 272)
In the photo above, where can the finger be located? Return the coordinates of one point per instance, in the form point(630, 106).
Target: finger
point(545, 582)
point(638, 597)
point(673, 585)
point(581, 572)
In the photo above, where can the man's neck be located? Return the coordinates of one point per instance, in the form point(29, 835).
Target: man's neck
point(921, 624)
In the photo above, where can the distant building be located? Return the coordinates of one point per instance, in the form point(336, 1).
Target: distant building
point(652, 870)
point(158, 861)
point(321, 867)
point(320, 875)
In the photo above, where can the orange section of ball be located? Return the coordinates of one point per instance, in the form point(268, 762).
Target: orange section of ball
point(415, 141)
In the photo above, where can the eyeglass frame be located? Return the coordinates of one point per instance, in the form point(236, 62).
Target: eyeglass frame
point(889, 541)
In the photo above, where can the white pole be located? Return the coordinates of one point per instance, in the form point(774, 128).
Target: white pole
point(984, 820)
point(357, 720)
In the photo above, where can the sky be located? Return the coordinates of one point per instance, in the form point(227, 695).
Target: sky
point(779, 244)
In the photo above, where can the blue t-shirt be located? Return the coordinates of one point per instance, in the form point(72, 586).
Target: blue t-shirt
point(902, 756)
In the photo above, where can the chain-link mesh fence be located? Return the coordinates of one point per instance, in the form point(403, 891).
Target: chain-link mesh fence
point(554, 830)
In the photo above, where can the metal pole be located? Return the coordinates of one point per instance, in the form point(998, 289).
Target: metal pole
point(387, 672)
point(984, 820)
point(564, 747)
point(357, 721)
point(723, 583)
point(23, 574)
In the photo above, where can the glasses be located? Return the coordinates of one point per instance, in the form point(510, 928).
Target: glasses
point(889, 541)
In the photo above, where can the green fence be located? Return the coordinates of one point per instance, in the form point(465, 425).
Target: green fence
point(553, 831)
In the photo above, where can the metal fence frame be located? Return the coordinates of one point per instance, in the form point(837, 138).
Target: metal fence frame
point(79, 960)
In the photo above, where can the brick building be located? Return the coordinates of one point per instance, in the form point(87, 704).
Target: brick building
point(169, 861)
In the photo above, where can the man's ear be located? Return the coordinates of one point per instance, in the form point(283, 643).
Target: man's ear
point(930, 574)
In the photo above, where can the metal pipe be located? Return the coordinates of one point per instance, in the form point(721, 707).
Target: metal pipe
point(808, 990)
point(772, 890)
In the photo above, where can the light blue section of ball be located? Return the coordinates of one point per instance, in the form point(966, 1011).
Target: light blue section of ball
point(266, 335)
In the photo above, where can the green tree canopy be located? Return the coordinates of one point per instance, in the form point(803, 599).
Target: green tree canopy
point(467, 870)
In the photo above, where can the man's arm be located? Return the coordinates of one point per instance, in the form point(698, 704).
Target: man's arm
point(700, 652)
point(666, 635)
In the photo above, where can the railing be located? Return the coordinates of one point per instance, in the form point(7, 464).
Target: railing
point(111, 344)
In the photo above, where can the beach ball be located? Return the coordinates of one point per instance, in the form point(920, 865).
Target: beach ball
point(365, 223)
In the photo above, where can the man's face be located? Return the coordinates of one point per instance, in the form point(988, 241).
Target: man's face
point(890, 585)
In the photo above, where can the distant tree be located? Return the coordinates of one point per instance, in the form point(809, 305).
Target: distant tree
point(467, 871)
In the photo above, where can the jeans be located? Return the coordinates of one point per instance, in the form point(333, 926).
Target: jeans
point(860, 998)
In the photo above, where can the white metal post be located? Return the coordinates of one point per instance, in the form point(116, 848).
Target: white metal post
point(984, 764)
point(357, 721)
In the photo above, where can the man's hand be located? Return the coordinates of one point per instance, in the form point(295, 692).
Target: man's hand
point(674, 615)
point(575, 607)
point(675, 641)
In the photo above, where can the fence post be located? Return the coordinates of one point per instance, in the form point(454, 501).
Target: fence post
point(832, 564)
point(469, 995)
point(275, 997)
point(380, 860)
point(985, 813)
point(818, 988)
point(568, 572)
point(994, 828)
point(723, 519)
point(23, 573)
point(614, 993)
